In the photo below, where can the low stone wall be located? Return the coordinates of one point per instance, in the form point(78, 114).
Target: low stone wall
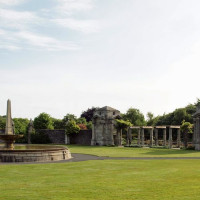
point(83, 137)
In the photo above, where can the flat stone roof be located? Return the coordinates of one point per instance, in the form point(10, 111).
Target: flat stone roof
point(107, 108)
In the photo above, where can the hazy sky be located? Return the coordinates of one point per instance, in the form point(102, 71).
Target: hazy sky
point(64, 56)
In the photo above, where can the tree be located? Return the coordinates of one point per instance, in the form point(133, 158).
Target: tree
point(197, 104)
point(122, 124)
point(2, 122)
point(71, 127)
point(180, 114)
point(151, 120)
point(58, 123)
point(21, 125)
point(43, 121)
point(186, 128)
point(88, 114)
point(165, 119)
point(89, 125)
point(81, 120)
point(134, 116)
point(69, 117)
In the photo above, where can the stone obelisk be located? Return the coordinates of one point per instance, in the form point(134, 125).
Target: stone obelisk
point(9, 123)
point(30, 130)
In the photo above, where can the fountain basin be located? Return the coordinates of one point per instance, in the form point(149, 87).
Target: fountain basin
point(35, 153)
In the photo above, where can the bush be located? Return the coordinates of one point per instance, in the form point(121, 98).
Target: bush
point(190, 148)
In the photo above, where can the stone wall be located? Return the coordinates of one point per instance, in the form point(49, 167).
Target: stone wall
point(55, 136)
point(59, 137)
point(83, 137)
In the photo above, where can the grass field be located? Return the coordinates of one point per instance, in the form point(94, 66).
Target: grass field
point(104, 179)
point(132, 152)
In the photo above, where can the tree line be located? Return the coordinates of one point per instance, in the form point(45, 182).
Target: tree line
point(133, 116)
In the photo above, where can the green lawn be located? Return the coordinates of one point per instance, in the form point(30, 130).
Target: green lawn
point(132, 152)
point(105, 179)
point(102, 180)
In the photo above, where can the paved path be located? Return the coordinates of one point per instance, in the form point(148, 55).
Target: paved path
point(83, 157)
point(77, 157)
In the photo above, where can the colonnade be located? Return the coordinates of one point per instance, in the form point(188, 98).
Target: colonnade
point(154, 132)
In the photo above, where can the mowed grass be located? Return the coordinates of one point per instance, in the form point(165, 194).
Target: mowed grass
point(102, 180)
point(132, 152)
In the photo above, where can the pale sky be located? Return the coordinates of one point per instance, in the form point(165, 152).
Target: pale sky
point(64, 56)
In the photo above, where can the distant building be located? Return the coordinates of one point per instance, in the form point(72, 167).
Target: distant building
point(103, 130)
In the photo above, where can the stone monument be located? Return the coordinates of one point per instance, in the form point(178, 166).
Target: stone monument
point(30, 130)
point(9, 137)
point(103, 129)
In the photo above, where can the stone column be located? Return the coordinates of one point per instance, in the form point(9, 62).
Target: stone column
point(9, 123)
point(127, 138)
point(30, 131)
point(194, 134)
point(156, 137)
point(138, 142)
point(164, 137)
point(130, 136)
point(178, 138)
point(93, 141)
point(120, 138)
point(170, 138)
point(151, 137)
point(142, 137)
point(197, 130)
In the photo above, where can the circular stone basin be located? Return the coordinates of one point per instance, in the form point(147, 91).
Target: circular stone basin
point(9, 140)
point(34, 153)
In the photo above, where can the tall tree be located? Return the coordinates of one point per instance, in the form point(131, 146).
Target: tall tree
point(43, 121)
point(69, 117)
point(58, 123)
point(21, 125)
point(134, 116)
point(151, 120)
point(88, 114)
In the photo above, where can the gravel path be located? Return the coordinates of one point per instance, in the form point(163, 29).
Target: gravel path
point(77, 157)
